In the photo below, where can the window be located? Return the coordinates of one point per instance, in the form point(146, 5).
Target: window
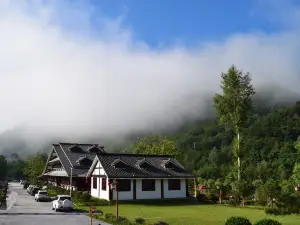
point(95, 182)
point(174, 184)
point(103, 184)
point(64, 198)
point(148, 185)
point(124, 185)
point(145, 165)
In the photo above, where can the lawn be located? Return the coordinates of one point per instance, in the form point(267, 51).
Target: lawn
point(184, 214)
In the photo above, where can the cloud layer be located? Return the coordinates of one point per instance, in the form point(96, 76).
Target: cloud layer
point(61, 76)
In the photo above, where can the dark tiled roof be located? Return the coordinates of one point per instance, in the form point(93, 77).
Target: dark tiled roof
point(69, 159)
point(133, 170)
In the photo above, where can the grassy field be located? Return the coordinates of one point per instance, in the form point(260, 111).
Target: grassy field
point(183, 213)
point(192, 214)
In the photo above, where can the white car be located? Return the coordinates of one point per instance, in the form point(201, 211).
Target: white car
point(42, 195)
point(62, 202)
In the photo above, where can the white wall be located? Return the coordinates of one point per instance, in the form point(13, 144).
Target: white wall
point(148, 194)
point(104, 194)
point(175, 194)
point(124, 195)
point(94, 192)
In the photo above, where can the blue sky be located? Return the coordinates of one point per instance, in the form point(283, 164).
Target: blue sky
point(189, 22)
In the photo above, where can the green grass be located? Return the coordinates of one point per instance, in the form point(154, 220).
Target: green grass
point(183, 214)
point(51, 192)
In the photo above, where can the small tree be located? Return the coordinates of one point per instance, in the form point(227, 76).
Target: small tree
point(233, 105)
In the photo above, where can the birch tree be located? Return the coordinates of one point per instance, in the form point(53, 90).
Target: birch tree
point(233, 105)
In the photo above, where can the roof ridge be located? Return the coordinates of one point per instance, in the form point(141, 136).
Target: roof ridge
point(74, 143)
point(136, 155)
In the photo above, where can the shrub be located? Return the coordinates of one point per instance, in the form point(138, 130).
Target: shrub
point(267, 222)
point(161, 223)
point(122, 221)
point(139, 221)
point(202, 198)
point(109, 216)
point(288, 203)
point(272, 211)
point(77, 194)
point(99, 201)
point(85, 197)
point(232, 202)
point(237, 221)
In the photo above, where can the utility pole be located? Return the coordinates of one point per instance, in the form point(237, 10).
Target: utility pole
point(117, 203)
point(71, 182)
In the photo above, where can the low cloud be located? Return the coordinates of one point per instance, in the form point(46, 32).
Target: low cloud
point(63, 77)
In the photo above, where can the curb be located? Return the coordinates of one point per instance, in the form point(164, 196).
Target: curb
point(52, 214)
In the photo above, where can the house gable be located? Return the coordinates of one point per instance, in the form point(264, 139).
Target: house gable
point(54, 162)
point(98, 171)
point(143, 164)
point(84, 161)
point(96, 149)
point(118, 163)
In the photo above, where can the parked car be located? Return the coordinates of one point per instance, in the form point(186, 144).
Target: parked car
point(30, 187)
point(62, 202)
point(34, 191)
point(42, 195)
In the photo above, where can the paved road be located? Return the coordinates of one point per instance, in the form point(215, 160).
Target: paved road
point(19, 201)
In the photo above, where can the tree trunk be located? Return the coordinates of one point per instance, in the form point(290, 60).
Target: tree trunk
point(238, 157)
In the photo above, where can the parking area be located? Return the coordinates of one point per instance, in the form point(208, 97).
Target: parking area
point(19, 201)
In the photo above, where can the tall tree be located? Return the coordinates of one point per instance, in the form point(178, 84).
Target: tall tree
point(3, 167)
point(15, 166)
point(233, 105)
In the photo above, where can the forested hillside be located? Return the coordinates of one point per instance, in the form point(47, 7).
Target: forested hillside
point(268, 146)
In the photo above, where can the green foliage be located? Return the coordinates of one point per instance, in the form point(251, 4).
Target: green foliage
point(85, 196)
point(140, 221)
point(15, 166)
point(155, 145)
point(267, 222)
point(161, 223)
point(234, 104)
point(237, 221)
point(268, 147)
point(34, 167)
point(3, 167)
point(296, 173)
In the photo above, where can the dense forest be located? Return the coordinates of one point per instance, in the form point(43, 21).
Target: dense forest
point(268, 146)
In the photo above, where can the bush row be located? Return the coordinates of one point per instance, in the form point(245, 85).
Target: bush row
point(245, 221)
point(284, 205)
point(112, 219)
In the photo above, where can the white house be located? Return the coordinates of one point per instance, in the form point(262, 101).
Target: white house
point(138, 177)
